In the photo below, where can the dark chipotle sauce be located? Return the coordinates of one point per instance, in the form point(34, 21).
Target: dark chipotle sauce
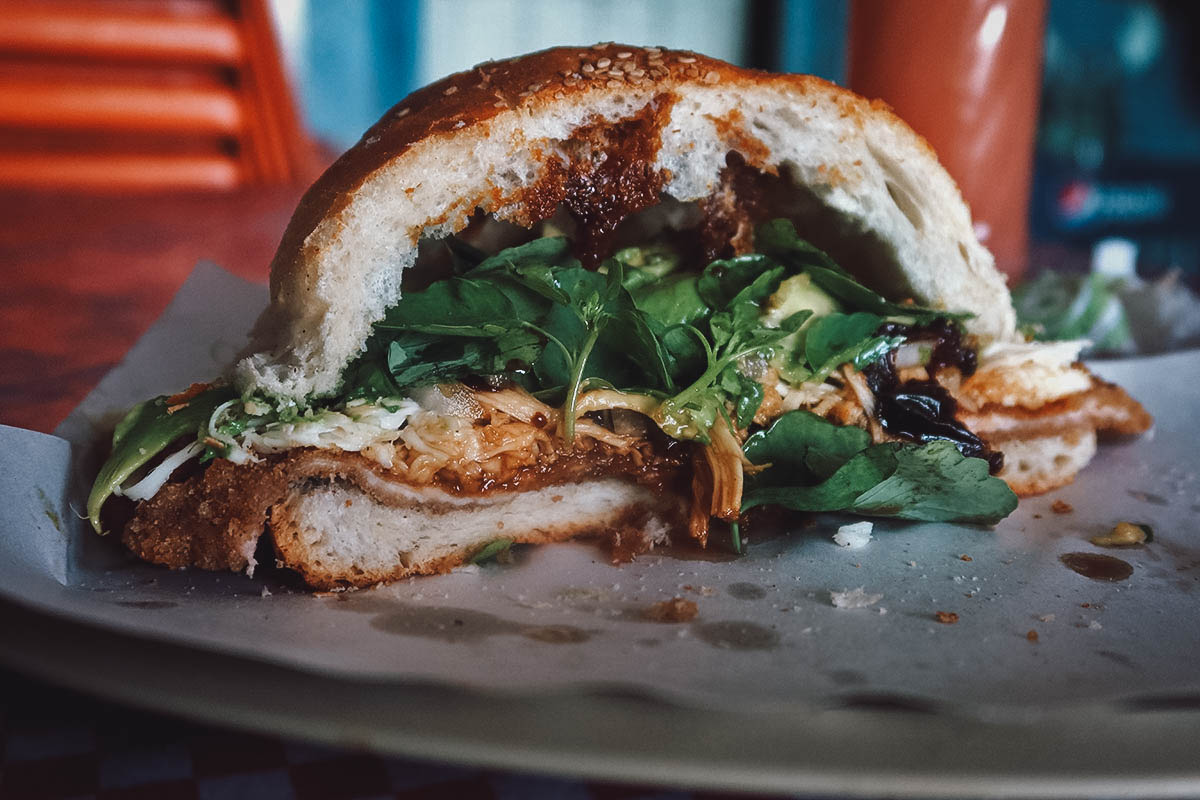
point(923, 411)
point(1096, 566)
point(610, 175)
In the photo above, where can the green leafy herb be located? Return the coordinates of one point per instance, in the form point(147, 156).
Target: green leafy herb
point(690, 413)
point(838, 339)
point(531, 309)
point(744, 282)
point(147, 430)
point(805, 446)
point(646, 265)
point(674, 300)
point(833, 335)
point(931, 482)
point(549, 251)
point(779, 240)
point(491, 550)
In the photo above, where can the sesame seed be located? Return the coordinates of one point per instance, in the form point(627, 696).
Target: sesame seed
point(624, 54)
point(559, 95)
point(403, 112)
point(533, 87)
point(653, 50)
point(686, 60)
point(450, 90)
point(692, 72)
point(637, 73)
point(499, 104)
point(588, 68)
point(603, 63)
point(615, 84)
point(525, 94)
point(615, 73)
point(712, 76)
point(571, 81)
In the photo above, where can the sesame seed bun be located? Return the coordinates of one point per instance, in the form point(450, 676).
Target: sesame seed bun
point(506, 137)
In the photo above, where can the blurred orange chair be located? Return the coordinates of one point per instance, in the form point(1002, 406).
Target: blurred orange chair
point(121, 95)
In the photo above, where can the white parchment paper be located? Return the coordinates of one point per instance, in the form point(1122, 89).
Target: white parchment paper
point(767, 633)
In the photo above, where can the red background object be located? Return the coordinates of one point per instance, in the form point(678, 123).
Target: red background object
point(966, 75)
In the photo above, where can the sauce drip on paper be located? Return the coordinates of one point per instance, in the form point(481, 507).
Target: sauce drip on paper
point(1097, 567)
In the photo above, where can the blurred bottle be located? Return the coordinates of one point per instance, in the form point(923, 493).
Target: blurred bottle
point(966, 75)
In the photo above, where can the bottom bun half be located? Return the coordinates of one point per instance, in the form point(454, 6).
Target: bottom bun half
point(336, 535)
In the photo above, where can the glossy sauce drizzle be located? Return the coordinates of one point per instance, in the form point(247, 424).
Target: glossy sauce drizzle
point(1097, 567)
point(923, 411)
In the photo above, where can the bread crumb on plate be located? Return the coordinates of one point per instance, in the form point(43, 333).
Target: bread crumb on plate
point(854, 598)
point(677, 609)
point(855, 535)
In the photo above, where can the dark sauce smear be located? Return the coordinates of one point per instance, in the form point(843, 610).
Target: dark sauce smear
point(1097, 567)
point(923, 411)
point(944, 337)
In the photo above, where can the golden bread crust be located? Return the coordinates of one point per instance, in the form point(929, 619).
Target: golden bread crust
point(533, 81)
point(1105, 407)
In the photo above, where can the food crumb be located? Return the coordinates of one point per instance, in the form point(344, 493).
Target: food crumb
point(854, 536)
point(854, 598)
point(1032, 635)
point(265, 592)
point(1046, 618)
point(677, 609)
point(946, 617)
point(965, 557)
point(1094, 625)
point(1123, 534)
point(1061, 507)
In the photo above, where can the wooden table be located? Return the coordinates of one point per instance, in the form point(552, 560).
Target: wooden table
point(83, 277)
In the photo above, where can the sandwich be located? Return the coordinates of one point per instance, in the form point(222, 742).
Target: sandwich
point(619, 292)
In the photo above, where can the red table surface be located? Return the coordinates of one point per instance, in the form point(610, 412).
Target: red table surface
point(85, 276)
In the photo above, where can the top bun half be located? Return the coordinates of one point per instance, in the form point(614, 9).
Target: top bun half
point(517, 139)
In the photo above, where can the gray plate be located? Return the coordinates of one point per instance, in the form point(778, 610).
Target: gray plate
point(764, 682)
point(1129, 751)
